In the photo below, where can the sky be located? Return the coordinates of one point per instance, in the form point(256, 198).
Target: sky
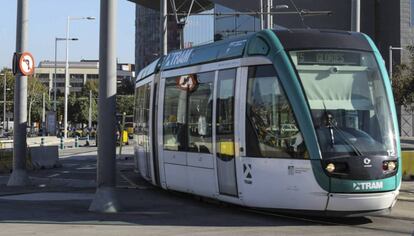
point(47, 20)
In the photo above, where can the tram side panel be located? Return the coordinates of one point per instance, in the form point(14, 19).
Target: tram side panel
point(277, 172)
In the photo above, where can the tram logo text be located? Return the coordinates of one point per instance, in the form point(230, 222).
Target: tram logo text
point(178, 58)
point(368, 186)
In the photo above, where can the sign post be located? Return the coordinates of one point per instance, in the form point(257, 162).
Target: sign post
point(24, 68)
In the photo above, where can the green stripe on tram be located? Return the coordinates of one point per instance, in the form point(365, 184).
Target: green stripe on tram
point(388, 87)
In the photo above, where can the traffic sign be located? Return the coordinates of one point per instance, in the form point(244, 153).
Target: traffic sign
point(26, 64)
point(23, 64)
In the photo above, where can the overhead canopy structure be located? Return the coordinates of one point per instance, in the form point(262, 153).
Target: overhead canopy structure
point(182, 5)
point(200, 5)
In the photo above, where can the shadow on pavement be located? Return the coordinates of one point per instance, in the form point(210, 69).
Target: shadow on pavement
point(142, 203)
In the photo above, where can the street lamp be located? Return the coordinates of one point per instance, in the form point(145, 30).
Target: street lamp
point(390, 59)
point(5, 89)
point(65, 124)
point(55, 75)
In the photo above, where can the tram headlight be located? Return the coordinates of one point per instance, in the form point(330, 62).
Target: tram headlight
point(330, 167)
point(389, 165)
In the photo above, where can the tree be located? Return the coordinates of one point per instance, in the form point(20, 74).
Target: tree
point(35, 91)
point(125, 103)
point(78, 109)
point(90, 85)
point(10, 90)
point(403, 82)
point(126, 87)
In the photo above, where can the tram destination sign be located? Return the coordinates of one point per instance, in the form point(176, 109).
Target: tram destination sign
point(337, 58)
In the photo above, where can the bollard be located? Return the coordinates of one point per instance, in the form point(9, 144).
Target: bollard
point(76, 142)
point(42, 141)
point(61, 143)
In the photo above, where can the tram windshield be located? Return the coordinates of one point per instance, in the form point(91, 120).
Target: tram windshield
point(348, 102)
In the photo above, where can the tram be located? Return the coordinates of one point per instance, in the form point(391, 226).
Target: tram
point(288, 120)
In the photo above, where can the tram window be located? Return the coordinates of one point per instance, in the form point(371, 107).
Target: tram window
point(188, 114)
point(175, 106)
point(271, 129)
point(142, 114)
point(225, 113)
point(200, 105)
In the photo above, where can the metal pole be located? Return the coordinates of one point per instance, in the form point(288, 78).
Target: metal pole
point(271, 15)
point(356, 16)
point(390, 61)
point(43, 114)
point(261, 15)
point(54, 78)
point(164, 27)
point(90, 110)
point(105, 198)
point(121, 135)
point(65, 120)
point(19, 175)
point(4, 104)
point(268, 26)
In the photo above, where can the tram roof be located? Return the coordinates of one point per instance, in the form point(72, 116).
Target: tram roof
point(218, 51)
point(295, 39)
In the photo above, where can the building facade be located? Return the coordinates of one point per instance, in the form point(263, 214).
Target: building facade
point(79, 73)
point(388, 23)
point(147, 36)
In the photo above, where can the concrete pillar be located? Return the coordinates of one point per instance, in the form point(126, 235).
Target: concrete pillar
point(19, 175)
point(105, 198)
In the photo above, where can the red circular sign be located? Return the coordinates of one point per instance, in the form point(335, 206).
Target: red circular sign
point(187, 82)
point(26, 64)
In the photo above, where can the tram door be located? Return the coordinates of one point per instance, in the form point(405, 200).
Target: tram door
point(143, 102)
point(225, 145)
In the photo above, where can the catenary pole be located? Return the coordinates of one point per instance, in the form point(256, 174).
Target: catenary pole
point(356, 16)
point(19, 175)
point(105, 198)
point(261, 15)
point(164, 27)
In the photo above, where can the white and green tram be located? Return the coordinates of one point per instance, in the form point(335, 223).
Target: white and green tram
point(290, 120)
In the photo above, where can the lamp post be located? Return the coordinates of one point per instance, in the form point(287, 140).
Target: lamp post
point(4, 101)
point(5, 89)
point(65, 124)
point(54, 76)
point(390, 59)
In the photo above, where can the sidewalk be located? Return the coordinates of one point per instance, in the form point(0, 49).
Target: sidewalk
point(407, 191)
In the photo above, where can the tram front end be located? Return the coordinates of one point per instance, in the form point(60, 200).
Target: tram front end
point(349, 97)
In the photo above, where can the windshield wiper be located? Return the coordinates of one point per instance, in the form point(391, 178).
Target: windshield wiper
point(331, 126)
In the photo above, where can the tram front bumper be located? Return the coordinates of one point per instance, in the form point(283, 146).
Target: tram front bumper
point(361, 201)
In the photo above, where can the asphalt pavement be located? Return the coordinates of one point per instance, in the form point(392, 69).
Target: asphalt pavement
point(57, 203)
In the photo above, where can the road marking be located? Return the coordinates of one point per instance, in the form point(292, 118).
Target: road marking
point(132, 183)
